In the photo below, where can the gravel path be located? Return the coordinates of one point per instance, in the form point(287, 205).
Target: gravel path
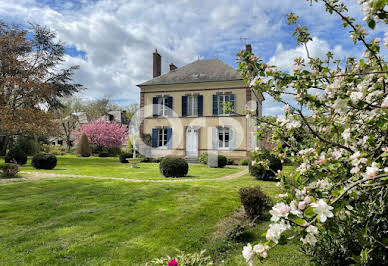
point(31, 176)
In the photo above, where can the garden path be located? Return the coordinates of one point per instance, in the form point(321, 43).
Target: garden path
point(31, 176)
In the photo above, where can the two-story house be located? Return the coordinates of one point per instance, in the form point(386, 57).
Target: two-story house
point(198, 108)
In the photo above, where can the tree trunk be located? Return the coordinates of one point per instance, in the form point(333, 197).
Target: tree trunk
point(4, 140)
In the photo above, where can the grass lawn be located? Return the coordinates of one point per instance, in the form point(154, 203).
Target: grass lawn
point(111, 167)
point(87, 221)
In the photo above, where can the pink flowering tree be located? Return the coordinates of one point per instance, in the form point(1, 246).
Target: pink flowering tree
point(104, 134)
point(338, 192)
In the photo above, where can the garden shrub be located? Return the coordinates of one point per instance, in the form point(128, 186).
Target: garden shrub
point(173, 167)
point(229, 161)
point(123, 157)
point(28, 145)
point(244, 161)
point(44, 161)
point(103, 154)
point(345, 241)
point(83, 148)
point(9, 170)
point(144, 159)
point(264, 165)
point(255, 202)
point(16, 155)
point(203, 158)
point(220, 163)
point(157, 160)
point(54, 149)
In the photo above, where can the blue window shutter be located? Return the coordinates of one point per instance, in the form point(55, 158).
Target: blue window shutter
point(232, 100)
point(200, 105)
point(215, 104)
point(232, 139)
point(184, 105)
point(214, 138)
point(155, 106)
point(169, 138)
point(169, 105)
point(154, 137)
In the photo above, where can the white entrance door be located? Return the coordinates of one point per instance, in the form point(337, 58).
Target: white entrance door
point(192, 142)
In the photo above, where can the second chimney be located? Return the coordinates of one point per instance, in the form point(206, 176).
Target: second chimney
point(248, 48)
point(172, 67)
point(157, 64)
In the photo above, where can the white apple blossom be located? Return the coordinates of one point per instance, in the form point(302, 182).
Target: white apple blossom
point(346, 134)
point(248, 253)
point(372, 170)
point(295, 210)
point(309, 239)
point(322, 209)
point(278, 211)
point(312, 229)
point(340, 106)
point(275, 230)
point(303, 167)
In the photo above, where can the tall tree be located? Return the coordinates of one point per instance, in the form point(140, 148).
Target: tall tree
point(31, 80)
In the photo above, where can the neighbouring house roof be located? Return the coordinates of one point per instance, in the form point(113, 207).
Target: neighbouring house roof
point(199, 71)
point(82, 117)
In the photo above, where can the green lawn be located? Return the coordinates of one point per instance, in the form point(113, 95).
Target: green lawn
point(85, 221)
point(111, 167)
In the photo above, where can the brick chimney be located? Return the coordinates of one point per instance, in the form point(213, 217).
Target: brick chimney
point(248, 48)
point(157, 64)
point(172, 67)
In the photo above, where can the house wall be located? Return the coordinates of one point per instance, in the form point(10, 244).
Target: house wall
point(205, 123)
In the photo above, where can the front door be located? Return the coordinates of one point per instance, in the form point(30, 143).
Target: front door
point(192, 142)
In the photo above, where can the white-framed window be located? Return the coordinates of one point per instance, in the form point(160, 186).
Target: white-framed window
point(223, 138)
point(192, 105)
point(225, 103)
point(162, 106)
point(162, 137)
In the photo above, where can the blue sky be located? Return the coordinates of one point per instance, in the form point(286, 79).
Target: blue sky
point(113, 40)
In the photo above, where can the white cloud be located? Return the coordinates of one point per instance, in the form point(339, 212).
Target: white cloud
point(119, 36)
point(284, 59)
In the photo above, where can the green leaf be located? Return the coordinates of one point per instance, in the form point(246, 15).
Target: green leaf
point(309, 212)
point(372, 24)
point(300, 221)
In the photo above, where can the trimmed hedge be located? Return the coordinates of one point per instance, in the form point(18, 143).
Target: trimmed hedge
point(173, 167)
point(104, 154)
point(259, 172)
point(255, 202)
point(44, 161)
point(16, 155)
point(9, 170)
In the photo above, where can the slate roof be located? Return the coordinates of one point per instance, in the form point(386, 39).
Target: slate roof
point(198, 71)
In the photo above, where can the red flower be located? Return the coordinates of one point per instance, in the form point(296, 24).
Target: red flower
point(172, 262)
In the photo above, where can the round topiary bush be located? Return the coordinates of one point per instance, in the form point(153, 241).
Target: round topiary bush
point(222, 161)
point(123, 157)
point(264, 165)
point(44, 161)
point(173, 167)
point(16, 155)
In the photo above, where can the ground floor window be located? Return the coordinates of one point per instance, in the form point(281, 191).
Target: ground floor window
point(223, 138)
point(162, 137)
